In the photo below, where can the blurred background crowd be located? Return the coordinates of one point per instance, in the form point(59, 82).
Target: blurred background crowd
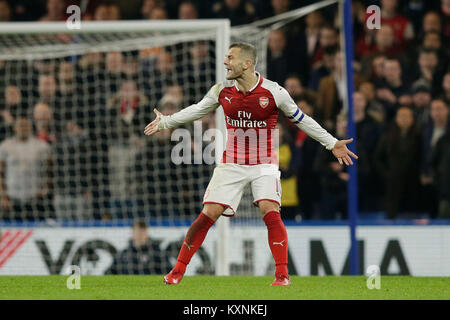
point(60, 156)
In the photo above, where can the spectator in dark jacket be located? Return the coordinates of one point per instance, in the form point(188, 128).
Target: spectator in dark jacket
point(333, 178)
point(367, 135)
point(441, 166)
point(421, 99)
point(429, 70)
point(308, 177)
point(307, 42)
point(397, 159)
point(142, 256)
point(391, 87)
point(437, 128)
point(278, 64)
point(324, 69)
point(373, 107)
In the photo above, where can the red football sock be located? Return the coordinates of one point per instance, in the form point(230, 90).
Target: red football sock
point(193, 240)
point(278, 241)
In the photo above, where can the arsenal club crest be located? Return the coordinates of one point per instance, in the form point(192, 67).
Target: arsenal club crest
point(263, 102)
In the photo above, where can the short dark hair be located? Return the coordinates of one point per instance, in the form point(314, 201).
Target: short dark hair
point(441, 100)
point(22, 116)
point(427, 51)
point(432, 32)
point(405, 107)
point(432, 12)
point(188, 2)
point(392, 59)
point(248, 49)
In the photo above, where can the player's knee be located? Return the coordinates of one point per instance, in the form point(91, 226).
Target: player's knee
point(213, 211)
point(266, 206)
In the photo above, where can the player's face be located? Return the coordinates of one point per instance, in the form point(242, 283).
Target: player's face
point(234, 64)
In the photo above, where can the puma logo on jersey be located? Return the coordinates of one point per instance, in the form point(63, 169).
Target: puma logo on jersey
point(187, 245)
point(280, 243)
point(228, 99)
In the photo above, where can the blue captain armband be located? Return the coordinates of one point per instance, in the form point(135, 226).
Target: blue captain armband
point(293, 119)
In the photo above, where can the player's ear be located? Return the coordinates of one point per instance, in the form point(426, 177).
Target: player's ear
point(247, 64)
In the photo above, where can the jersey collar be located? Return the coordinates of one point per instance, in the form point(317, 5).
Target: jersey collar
point(254, 87)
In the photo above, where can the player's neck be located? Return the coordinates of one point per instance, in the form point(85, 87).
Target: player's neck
point(247, 81)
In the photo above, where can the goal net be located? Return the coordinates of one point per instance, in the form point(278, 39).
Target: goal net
point(73, 152)
point(88, 97)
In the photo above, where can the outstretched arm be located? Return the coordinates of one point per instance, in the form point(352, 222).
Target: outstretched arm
point(314, 130)
point(196, 111)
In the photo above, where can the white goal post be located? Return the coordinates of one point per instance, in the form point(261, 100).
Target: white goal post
point(217, 30)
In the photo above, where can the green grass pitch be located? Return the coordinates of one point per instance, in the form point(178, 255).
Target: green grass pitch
point(223, 288)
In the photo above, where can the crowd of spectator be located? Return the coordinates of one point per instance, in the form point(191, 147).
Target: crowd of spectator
point(401, 111)
point(401, 108)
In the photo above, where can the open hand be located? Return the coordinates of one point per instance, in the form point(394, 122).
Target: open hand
point(341, 152)
point(153, 126)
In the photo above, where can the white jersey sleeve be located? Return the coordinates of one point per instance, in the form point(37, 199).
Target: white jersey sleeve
point(196, 111)
point(303, 121)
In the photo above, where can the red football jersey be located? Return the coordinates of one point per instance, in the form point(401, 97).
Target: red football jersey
point(250, 119)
